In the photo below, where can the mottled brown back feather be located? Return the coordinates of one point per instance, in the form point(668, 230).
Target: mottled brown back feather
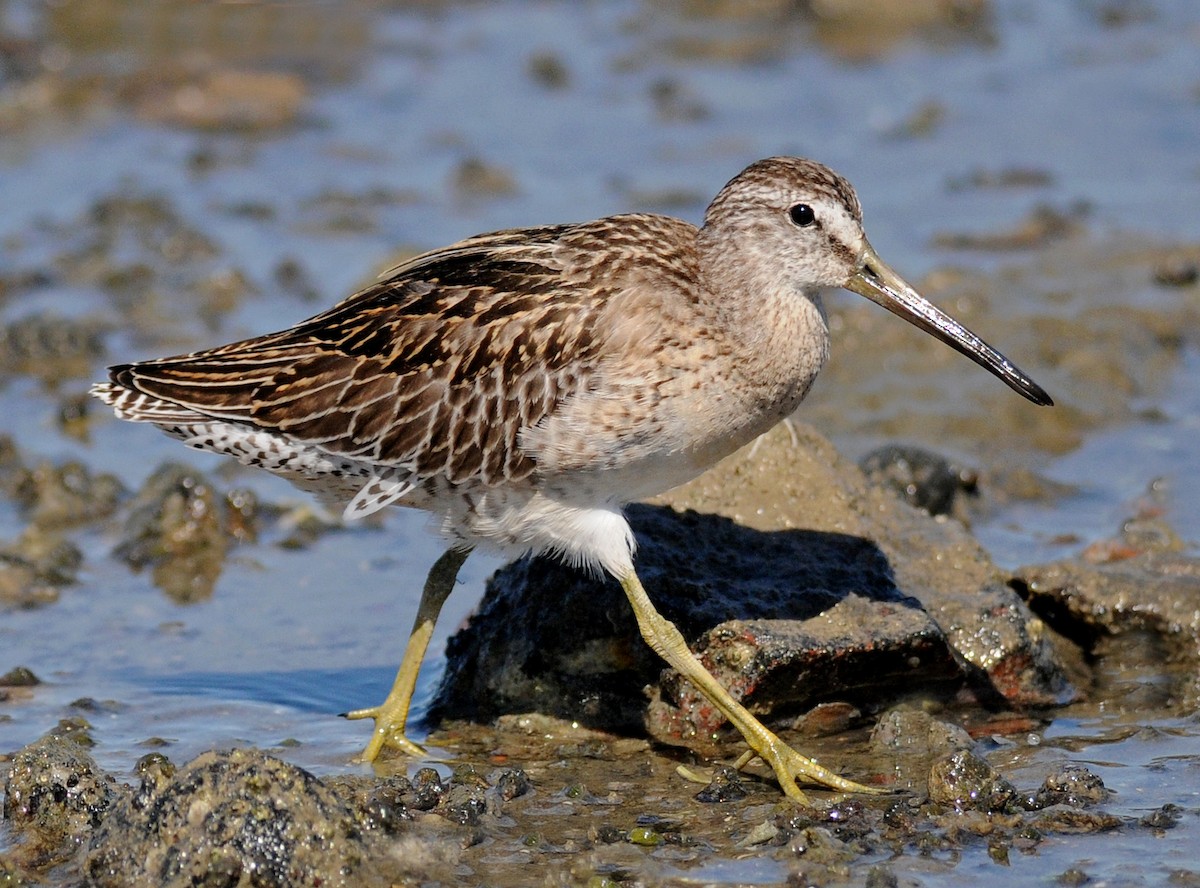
point(437, 368)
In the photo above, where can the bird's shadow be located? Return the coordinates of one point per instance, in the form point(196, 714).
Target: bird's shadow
point(552, 639)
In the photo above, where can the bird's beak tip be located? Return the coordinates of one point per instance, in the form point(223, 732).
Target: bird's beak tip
point(875, 280)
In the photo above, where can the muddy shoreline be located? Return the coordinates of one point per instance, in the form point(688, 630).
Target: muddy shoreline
point(588, 798)
point(1017, 671)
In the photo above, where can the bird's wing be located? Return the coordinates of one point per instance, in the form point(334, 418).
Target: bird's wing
point(435, 370)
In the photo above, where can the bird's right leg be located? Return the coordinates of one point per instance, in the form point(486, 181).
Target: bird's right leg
point(391, 716)
point(789, 766)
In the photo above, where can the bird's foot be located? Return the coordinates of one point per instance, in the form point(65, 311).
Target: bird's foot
point(790, 766)
point(389, 731)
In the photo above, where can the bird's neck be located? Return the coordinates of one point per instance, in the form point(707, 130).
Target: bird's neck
point(781, 331)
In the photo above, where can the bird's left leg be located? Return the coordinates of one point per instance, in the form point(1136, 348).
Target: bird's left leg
point(391, 716)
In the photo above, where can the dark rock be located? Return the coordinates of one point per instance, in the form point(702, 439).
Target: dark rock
point(1166, 817)
point(881, 876)
point(725, 786)
point(872, 599)
point(464, 804)
point(851, 819)
point(67, 495)
point(920, 477)
point(385, 808)
point(476, 178)
point(427, 789)
point(784, 608)
point(35, 568)
point(1073, 877)
point(1074, 786)
point(511, 783)
point(1177, 272)
point(50, 347)
point(233, 818)
point(548, 70)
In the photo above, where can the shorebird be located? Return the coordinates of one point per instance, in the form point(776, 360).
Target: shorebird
point(524, 385)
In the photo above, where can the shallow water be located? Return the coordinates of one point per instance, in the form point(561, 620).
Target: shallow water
point(579, 110)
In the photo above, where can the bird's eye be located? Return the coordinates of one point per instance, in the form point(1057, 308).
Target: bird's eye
point(802, 215)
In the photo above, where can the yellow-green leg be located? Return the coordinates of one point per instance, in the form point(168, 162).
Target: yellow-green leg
point(789, 765)
point(392, 716)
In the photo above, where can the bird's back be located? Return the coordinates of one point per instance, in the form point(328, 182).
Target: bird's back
point(436, 374)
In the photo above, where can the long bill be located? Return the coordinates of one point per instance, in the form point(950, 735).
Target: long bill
point(879, 283)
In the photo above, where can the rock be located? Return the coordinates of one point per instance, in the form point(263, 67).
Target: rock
point(50, 347)
point(921, 478)
point(66, 495)
point(476, 178)
point(1074, 787)
point(966, 782)
point(1166, 817)
point(1042, 226)
point(725, 786)
point(809, 585)
point(176, 527)
point(1063, 819)
point(1149, 591)
point(906, 730)
point(19, 677)
point(233, 818)
point(54, 796)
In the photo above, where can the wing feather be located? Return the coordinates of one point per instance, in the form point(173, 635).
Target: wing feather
point(436, 368)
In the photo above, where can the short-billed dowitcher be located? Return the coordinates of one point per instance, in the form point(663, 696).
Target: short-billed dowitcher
point(524, 385)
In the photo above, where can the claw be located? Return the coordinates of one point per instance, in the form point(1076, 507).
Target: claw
point(386, 733)
point(790, 766)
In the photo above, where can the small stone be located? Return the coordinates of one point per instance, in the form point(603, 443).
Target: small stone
point(1061, 819)
point(922, 478)
point(19, 677)
point(1073, 877)
point(725, 786)
point(610, 835)
point(427, 789)
point(1166, 817)
point(644, 835)
point(965, 781)
point(760, 835)
point(548, 70)
point(881, 876)
point(512, 783)
point(463, 804)
point(476, 178)
point(1074, 786)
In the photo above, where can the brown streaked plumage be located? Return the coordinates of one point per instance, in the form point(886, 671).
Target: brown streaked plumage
point(524, 385)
